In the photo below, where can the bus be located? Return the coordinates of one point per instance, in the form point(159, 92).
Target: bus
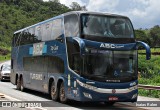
point(80, 55)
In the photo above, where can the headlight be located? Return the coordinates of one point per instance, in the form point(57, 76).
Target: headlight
point(86, 50)
point(86, 85)
point(134, 96)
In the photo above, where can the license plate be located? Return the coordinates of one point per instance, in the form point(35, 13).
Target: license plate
point(112, 98)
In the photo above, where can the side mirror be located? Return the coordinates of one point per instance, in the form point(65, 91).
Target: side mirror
point(146, 46)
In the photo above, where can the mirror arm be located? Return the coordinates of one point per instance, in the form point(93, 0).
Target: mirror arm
point(146, 46)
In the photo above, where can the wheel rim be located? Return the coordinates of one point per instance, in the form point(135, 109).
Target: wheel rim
point(21, 84)
point(62, 93)
point(18, 87)
point(53, 92)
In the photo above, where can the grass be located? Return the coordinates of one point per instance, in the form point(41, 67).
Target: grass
point(150, 81)
point(149, 73)
point(152, 50)
point(5, 57)
point(147, 93)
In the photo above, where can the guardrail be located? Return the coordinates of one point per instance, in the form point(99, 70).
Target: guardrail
point(148, 87)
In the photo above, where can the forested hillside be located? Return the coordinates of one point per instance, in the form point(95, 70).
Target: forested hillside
point(17, 14)
point(150, 36)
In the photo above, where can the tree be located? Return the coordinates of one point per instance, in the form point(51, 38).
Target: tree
point(155, 35)
point(142, 36)
point(76, 7)
point(54, 1)
point(17, 14)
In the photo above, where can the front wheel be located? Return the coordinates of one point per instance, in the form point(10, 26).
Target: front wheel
point(62, 95)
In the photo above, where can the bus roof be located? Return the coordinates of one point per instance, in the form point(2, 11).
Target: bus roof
point(95, 13)
point(68, 13)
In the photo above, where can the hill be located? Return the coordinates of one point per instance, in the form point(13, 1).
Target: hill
point(17, 14)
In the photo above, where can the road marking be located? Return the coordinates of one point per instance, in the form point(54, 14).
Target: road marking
point(15, 99)
point(8, 97)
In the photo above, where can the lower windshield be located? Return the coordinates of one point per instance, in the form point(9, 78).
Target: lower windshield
point(106, 26)
point(111, 65)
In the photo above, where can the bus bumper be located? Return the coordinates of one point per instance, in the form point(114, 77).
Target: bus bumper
point(87, 95)
point(90, 93)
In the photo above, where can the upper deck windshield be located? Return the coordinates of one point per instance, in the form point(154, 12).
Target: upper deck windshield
point(106, 26)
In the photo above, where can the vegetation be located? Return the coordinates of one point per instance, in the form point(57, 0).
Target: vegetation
point(75, 6)
point(152, 93)
point(150, 36)
point(17, 14)
point(5, 57)
point(149, 74)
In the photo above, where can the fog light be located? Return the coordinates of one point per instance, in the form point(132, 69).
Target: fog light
point(134, 96)
point(87, 95)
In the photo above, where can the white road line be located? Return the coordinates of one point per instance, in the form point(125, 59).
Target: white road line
point(11, 98)
point(37, 108)
point(15, 99)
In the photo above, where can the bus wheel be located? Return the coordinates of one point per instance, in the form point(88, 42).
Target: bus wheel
point(62, 95)
point(54, 92)
point(109, 103)
point(22, 86)
point(18, 85)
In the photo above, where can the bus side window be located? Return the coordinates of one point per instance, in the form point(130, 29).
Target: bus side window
point(56, 30)
point(71, 25)
point(46, 31)
point(38, 32)
point(17, 39)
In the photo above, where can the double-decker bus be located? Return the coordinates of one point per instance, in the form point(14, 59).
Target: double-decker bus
point(83, 56)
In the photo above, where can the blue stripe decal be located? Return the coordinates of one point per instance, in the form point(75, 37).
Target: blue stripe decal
point(31, 50)
point(45, 49)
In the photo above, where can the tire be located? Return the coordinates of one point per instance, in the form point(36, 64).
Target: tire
point(54, 92)
point(18, 85)
point(62, 95)
point(109, 103)
point(21, 85)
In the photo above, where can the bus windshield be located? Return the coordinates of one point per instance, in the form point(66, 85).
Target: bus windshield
point(115, 65)
point(106, 26)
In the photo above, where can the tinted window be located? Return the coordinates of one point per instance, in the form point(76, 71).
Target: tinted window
point(38, 32)
point(28, 37)
point(16, 39)
point(75, 61)
point(71, 25)
point(110, 64)
point(49, 64)
point(55, 65)
point(8, 68)
point(56, 28)
point(44, 32)
point(106, 26)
